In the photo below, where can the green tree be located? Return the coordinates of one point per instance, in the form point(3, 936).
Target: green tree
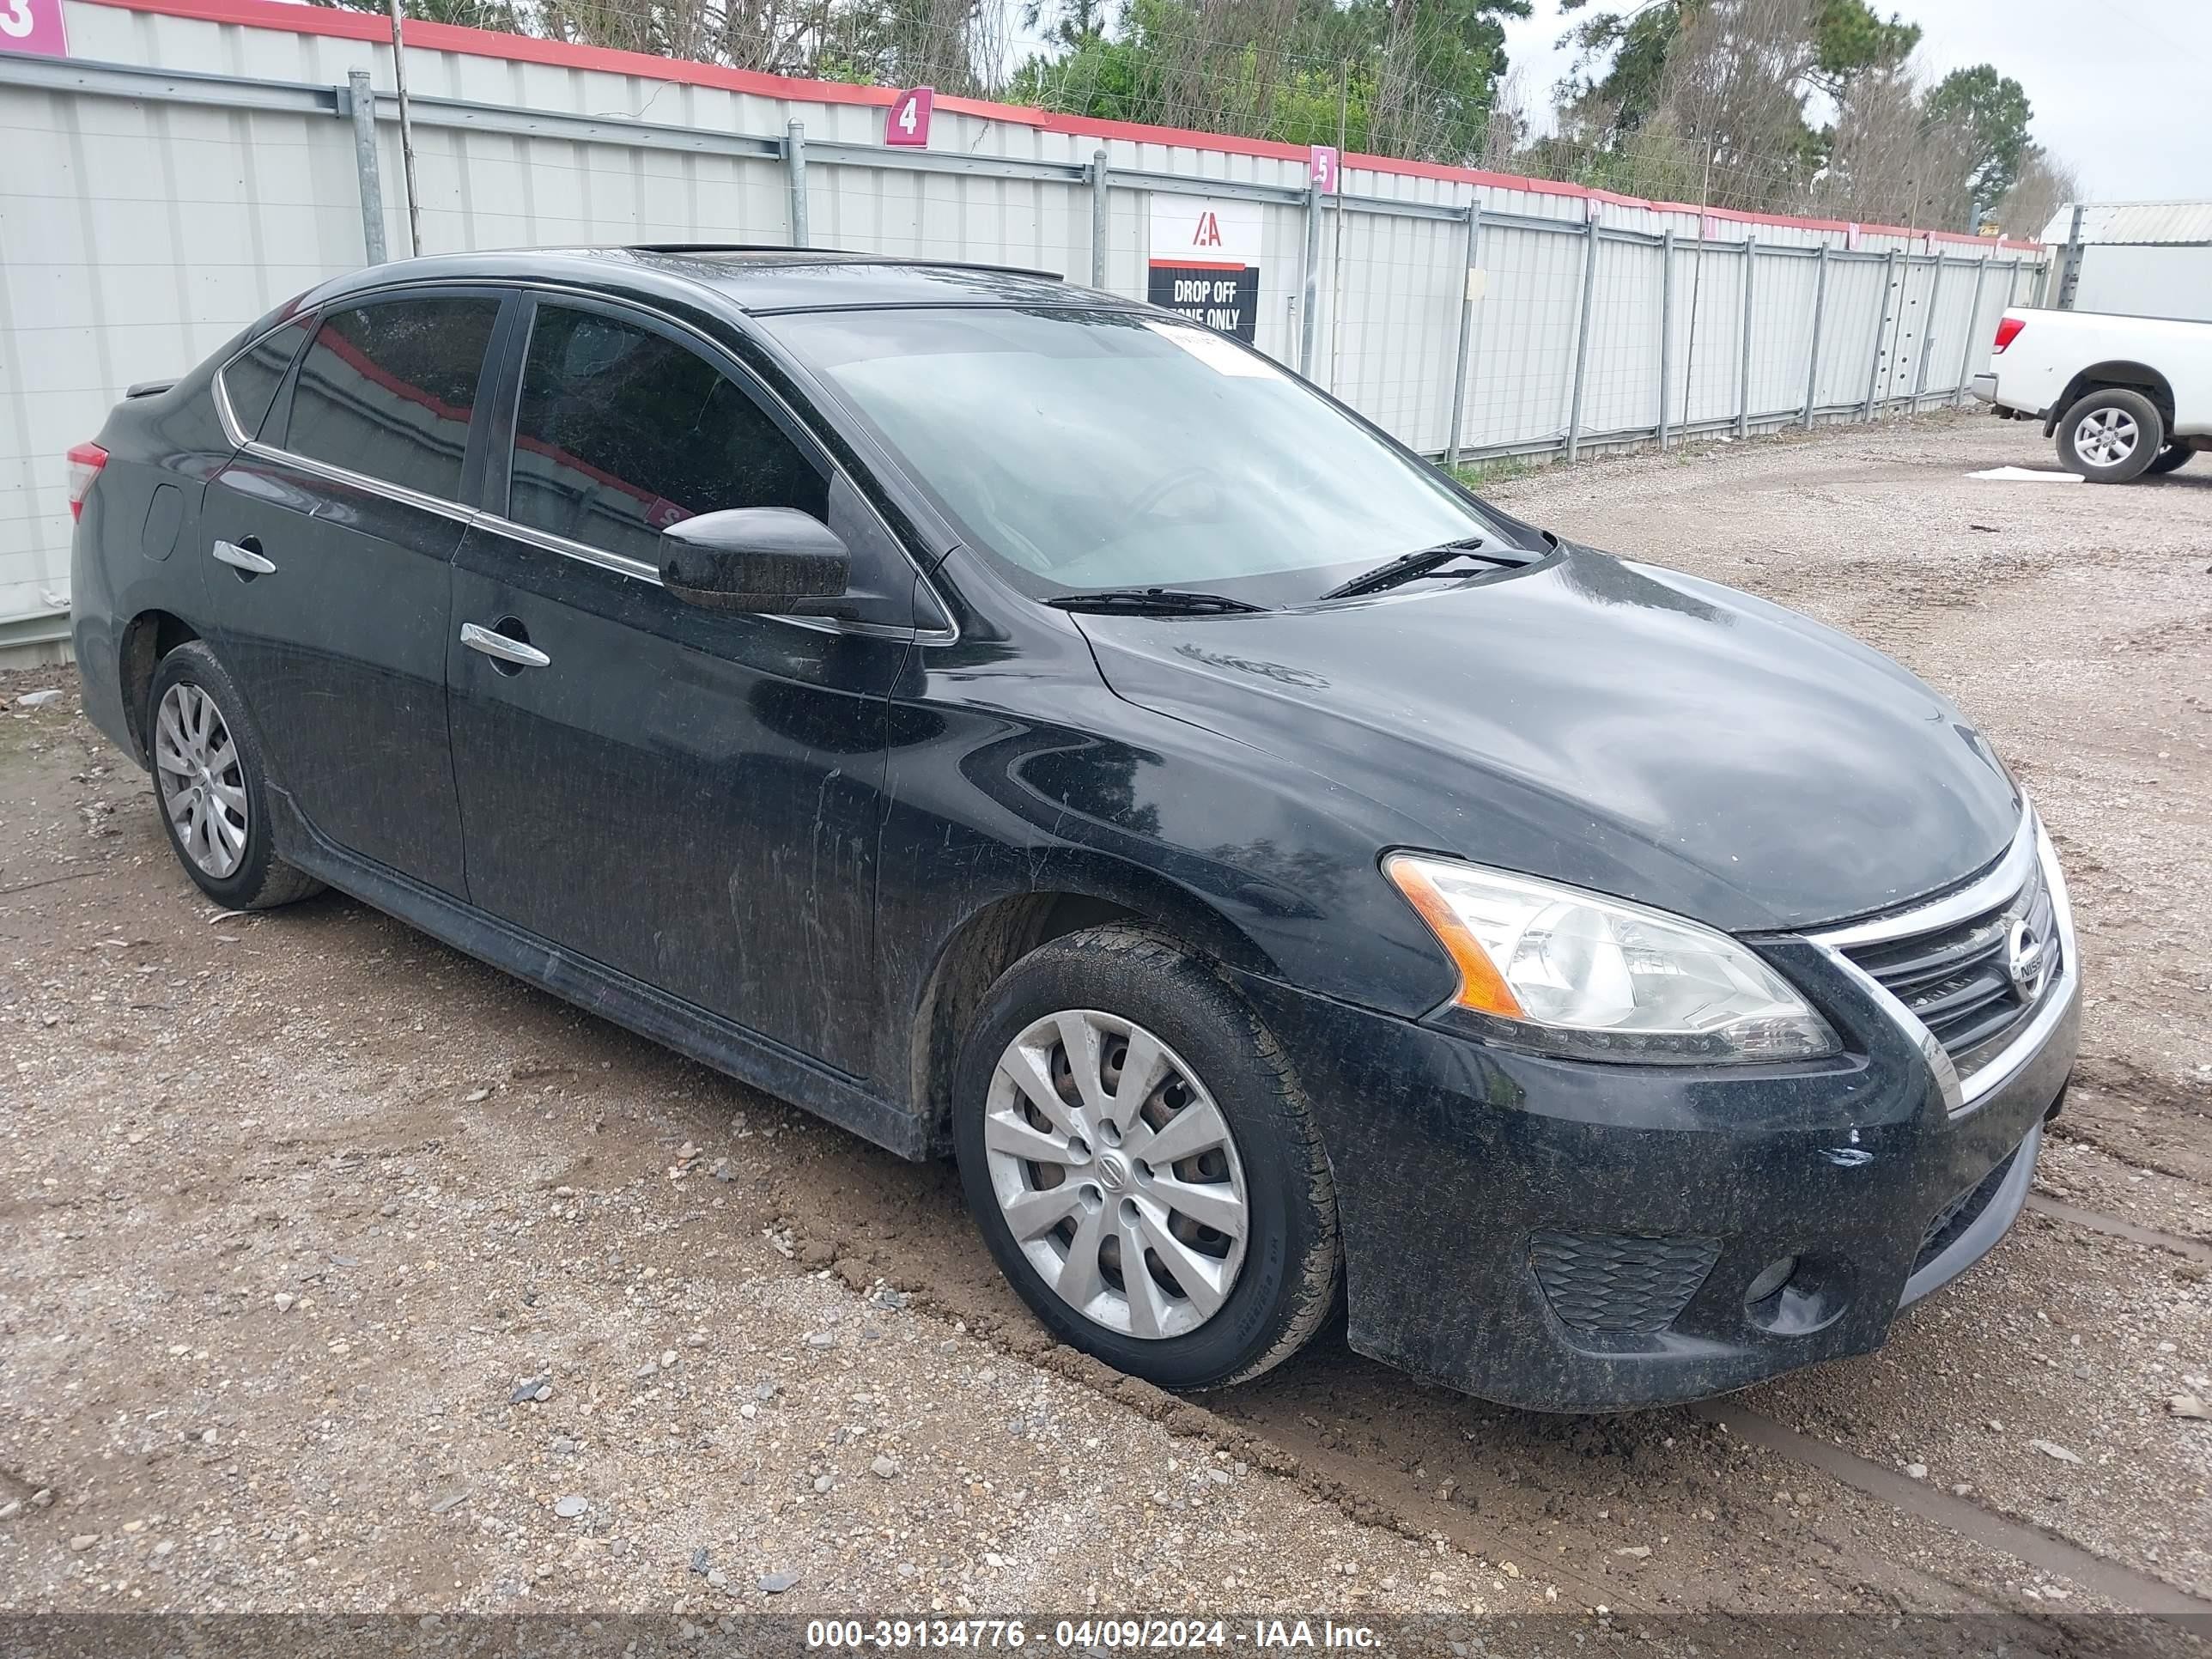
point(1992, 111)
point(1414, 78)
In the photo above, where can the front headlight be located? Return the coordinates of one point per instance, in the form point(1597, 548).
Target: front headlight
point(1597, 978)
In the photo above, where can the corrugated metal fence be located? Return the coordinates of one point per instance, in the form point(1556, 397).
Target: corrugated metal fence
point(194, 161)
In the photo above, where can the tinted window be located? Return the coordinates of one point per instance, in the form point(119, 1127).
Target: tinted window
point(250, 381)
point(387, 390)
point(622, 432)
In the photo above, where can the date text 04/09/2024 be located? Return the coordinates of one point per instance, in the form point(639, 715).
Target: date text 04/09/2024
point(1088, 1633)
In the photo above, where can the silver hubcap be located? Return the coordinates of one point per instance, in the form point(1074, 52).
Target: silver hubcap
point(1117, 1174)
point(2106, 437)
point(202, 787)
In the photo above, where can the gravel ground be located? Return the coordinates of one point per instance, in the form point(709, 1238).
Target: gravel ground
point(344, 1273)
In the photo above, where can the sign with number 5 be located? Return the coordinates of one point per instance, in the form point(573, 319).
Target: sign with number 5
point(32, 26)
point(905, 123)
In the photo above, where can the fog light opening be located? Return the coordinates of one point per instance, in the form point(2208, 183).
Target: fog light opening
point(1771, 1279)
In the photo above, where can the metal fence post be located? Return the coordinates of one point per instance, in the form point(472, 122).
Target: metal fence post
point(794, 172)
point(1973, 322)
point(1582, 339)
point(1743, 365)
point(1812, 352)
point(406, 137)
point(1927, 333)
point(1310, 301)
point(366, 167)
point(1880, 333)
point(1465, 327)
point(2070, 269)
point(1666, 325)
point(1098, 188)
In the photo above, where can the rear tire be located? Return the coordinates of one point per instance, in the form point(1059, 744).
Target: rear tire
point(1051, 1130)
point(2169, 458)
point(211, 781)
point(2110, 435)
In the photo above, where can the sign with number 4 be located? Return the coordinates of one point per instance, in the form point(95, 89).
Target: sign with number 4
point(32, 26)
point(905, 123)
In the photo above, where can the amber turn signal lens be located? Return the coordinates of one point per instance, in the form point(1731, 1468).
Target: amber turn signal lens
point(1481, 986)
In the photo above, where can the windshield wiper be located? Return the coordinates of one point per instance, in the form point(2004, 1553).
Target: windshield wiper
point(1408, 566)
point(1158, 601)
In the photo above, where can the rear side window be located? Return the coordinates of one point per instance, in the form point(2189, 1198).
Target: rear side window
point(249, 381)
point(387, 389)
point(621, 432)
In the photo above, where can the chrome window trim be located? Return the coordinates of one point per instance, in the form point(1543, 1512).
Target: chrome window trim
point(621, 564)
point(1984, 893)
point(2031, 847)
point(361, 480)
point(225, 417)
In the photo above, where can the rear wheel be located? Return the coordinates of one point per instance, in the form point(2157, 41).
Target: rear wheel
point(1142, 1164)
point(2173, 456)
point(2110, 435)
point(210, 776)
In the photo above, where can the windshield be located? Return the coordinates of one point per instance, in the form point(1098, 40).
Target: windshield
point(1108, 450)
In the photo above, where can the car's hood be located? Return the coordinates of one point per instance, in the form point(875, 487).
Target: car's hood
point(1619, 727)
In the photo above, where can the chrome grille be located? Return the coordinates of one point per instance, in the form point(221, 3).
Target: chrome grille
point(1956, 979)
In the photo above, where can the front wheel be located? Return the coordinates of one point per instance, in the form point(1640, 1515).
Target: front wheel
point(2170, 458)
point(2110, 435)
point(1142, 1164)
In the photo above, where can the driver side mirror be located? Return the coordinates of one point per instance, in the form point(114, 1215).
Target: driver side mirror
point(774, 560)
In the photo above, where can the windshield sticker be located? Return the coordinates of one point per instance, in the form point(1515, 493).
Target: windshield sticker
point(1216, 353)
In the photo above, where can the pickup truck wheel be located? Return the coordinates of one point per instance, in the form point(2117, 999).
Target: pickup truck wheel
point(2110, 435)
point(2173, 456)
point(1142, 1162)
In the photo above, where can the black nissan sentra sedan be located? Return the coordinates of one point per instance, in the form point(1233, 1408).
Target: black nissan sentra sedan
point(1005, 719)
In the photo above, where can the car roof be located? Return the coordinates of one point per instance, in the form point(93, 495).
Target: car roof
point(755, 280)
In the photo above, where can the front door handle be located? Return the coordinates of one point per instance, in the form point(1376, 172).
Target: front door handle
point(248, 559)
point(498, 646)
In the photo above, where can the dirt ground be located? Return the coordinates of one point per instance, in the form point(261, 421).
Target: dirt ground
point(343, 1272)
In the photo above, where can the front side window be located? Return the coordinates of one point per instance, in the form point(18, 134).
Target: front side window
point(249, 381)
point(388, 389)
point(1106, 449)
point(622, 432)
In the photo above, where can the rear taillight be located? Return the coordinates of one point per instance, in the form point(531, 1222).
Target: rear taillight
point(2008, 330)
point(84, 464)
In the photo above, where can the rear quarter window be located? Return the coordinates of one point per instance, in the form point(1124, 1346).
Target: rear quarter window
point(388, 389)
point(250, 379)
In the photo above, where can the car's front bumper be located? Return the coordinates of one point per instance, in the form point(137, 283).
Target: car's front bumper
point(1577, 1236)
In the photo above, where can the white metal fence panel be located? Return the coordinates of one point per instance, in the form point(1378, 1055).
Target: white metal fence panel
point(181, 174)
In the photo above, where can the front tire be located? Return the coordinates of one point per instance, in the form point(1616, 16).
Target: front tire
point(1142, 1162)
point(2110, 435)
point(210, 778)
point(2170, 457)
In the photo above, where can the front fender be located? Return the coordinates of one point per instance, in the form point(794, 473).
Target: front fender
point(1272, 871)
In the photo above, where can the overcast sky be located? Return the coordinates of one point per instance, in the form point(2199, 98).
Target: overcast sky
point(2119, 88)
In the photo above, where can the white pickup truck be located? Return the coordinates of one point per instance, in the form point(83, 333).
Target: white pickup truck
point(2124, 395)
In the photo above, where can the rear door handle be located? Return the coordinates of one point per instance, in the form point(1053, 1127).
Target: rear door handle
point(502, 647)
point(241, 558)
